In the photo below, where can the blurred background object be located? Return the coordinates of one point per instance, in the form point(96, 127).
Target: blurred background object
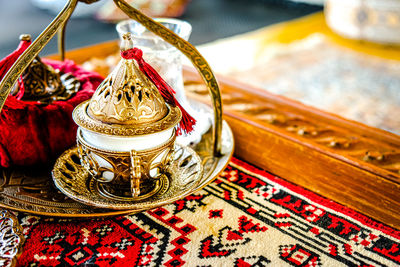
point(211, 20)
point(54, 6)
point(305, 61)
point(151, 8)
point(368, 20)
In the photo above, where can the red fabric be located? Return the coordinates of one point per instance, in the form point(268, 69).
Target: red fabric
point(187, 122)
point(33, 133)
point(8, 61)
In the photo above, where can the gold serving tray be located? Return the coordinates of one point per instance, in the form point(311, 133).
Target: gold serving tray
point(31, 190)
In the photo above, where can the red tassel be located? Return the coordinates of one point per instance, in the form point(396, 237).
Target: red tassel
point(187, 122)
point(7, 62)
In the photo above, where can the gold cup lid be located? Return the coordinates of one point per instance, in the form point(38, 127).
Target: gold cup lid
point(126, 103)
point(42, 83)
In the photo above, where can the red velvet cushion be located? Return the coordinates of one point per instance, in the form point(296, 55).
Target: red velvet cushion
point(33, 133)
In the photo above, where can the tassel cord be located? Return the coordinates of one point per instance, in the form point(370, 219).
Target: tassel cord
point(187, 122)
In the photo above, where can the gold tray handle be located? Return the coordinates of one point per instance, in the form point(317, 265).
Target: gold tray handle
point(195, 57)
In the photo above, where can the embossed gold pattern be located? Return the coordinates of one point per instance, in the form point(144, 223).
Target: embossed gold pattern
point(82, 119)
point(127, 100)
point(194, 56)
point(185, 47)
point(11, 238)
point(132, 172)
point(41, 81)
point(183, 175)
point(126, 96)
point(44, 84)
point(6, 85)
point(31, 192)
point(126, 104)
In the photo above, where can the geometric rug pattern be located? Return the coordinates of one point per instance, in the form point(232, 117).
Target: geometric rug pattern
point(246, 217)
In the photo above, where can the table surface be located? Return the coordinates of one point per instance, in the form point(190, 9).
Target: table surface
point(211, 20)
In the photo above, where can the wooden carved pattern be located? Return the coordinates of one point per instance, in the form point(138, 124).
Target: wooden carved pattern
point(352, 145)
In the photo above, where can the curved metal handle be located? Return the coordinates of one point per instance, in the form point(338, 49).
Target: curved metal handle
point(61, 39)
point(33, 50)
point(195, 57)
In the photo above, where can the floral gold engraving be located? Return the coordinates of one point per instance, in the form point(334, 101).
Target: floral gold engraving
point(82, 119)
point(193, 55)
point(8, 81)
point(215, 148)
point(44, 84)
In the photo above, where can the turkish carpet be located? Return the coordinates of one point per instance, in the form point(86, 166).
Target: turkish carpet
point(246, 217)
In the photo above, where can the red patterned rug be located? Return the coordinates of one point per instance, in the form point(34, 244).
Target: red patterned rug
point(247, 217)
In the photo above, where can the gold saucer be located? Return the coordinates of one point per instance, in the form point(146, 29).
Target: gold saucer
point(180, 177)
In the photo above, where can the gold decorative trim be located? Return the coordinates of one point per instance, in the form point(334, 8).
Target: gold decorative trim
point(215, 149)
point(83, 120)
point(104, 190)
point(185, 47)
point(44, 84)
point(11, 239)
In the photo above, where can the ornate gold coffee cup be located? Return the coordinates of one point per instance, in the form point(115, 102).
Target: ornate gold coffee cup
point(126, 134)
